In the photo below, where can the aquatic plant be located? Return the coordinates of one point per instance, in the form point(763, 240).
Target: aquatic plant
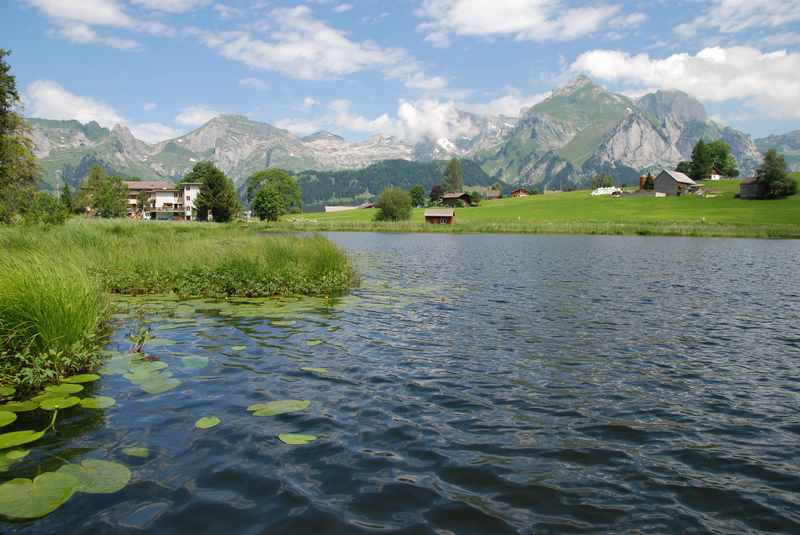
point(296, 440)
point(207, 422)
point(274, 408)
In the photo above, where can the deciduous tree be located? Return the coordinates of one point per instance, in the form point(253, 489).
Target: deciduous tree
point(417, 196)
point(394, 204)
point(773, 175)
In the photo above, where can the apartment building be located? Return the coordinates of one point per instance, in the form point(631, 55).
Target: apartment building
point(162, 200)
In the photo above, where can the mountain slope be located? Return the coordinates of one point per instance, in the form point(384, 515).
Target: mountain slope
point(786, 144)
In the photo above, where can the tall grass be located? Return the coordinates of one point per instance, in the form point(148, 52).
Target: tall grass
point(54, 282)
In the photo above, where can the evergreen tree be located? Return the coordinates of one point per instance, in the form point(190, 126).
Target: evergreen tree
point(217, 193)
point(453, 179)
point(602, 181)
point(436, 193)
point(773, 175)
point(66, 199)
point(18, 167)
point(685, 168)
point(702, 161)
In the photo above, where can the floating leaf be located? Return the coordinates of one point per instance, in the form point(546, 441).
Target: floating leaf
point(6, 391)
point(20, 406)
point(283, 323)
point(313, 343)
point(137, 451)
point(18, 438)
point(64, 389)
point(98, 402)
point(196, 362)
point(59, 403)
point(159, 342)
point(273, 408)
point(16, 455)
point(23, 498)
point(296, 440)
point(116, 365)
point(207, 422)
point(48, 395)
point(238, 348)
point(320, 371)
point(98, 477)
point(84, 378)
point(159, 384)
point(6, 418)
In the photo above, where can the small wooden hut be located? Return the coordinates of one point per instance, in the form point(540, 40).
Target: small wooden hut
point(440, 216)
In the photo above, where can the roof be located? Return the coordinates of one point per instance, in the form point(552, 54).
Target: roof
point(148, 185)
point(440, 212)
point(456, 195)
point(680, 177)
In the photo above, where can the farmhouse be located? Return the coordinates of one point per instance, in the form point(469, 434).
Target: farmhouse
point(453, 199)
point(751, 188)
point(440, 216)
point(520, 193)
point(674, 183)
point(492, 194)
point(162, 200)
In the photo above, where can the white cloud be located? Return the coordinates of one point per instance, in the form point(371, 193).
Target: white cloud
point(171, 6)
point(420, 81)
point(49, 100)
point(534, 20)
point(732, 16)
point(254, 83)
point(511, 104)
point(300, 46)
point(81, 33)
point(227, 12)
point(309, 102)
point(769, 82)
point(301, 127)
point(149, 106)
point(343, 8)
point(195, 116)
point(154, 132)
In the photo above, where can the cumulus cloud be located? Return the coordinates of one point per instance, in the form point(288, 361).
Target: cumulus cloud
point(532, 20)
point(309, 102)
point(171, 6)
point(297, 44)
point(511, 105)
point(49, 100)
point(769, 82)
point(227, 12)
point(195, 116)
point(81, 33)
point(732, 16)
point(342, 8)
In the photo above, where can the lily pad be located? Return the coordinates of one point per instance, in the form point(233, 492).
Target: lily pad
point(6, 391)
point(83, 378)
point(98, 402)
point(59, 403)
point(159, 384)
point(20, 406)
point(296, 440)
point(160, 342)
point(98, 477)
point(23, 498)
point(313, 343)
point(6, 418)
point(195, 362)
point(137, 451)
point(283, 323)
point(207, 422)
point(16, 455)
point(65, 388)
point(274, 408)
point(18, 438)
point(238, 348)
point(318, 371)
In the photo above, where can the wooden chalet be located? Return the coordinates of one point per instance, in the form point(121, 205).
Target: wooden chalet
point(440, 216)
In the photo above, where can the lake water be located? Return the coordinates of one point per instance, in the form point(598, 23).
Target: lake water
point(474, 384)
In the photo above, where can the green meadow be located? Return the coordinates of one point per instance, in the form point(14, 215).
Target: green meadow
point(720, 214)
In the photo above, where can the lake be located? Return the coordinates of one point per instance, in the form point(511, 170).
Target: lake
point(472, 384)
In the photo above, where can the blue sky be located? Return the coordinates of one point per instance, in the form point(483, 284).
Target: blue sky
point(399, 67)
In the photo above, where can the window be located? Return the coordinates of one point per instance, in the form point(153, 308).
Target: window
point(188, 198)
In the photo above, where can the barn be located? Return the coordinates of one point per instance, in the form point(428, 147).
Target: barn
point(440, 216)
point(674, 183)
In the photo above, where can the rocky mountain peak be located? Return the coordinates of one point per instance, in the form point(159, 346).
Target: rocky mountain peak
point(580, 82)
point(673, 104)
point(322, 135)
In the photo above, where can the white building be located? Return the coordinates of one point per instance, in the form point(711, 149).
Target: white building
point(162, 200)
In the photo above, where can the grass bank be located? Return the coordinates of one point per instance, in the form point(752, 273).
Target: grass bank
point(721, 215)
point(54, 292)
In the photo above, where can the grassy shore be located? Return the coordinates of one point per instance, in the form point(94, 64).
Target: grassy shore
point(56, 283)
point(578, 213)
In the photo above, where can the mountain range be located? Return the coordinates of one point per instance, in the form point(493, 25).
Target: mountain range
point(580, 130)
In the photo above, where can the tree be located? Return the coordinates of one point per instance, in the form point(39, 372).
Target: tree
point(45, 209)
point(417, 196)
point(283, 182)
point(772, 174)
point(702, 161)
point(475, 198)
point(602, 181)
point(650, 182)
point(66, 199)
point(722, 158)
point(18, 167)
point(437, 192)
point(394, 204)
point(217, 194)
point(453, 179)
point(269, 203)
point(107, 196)
point(685, 168)
point(142, 198)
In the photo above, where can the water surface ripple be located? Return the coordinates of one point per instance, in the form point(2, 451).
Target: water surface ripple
point(476, 384)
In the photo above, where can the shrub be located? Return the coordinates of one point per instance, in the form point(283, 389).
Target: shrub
point(269, 204)
point(394, 204)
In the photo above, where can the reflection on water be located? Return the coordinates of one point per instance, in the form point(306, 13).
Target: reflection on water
point(474, 384)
